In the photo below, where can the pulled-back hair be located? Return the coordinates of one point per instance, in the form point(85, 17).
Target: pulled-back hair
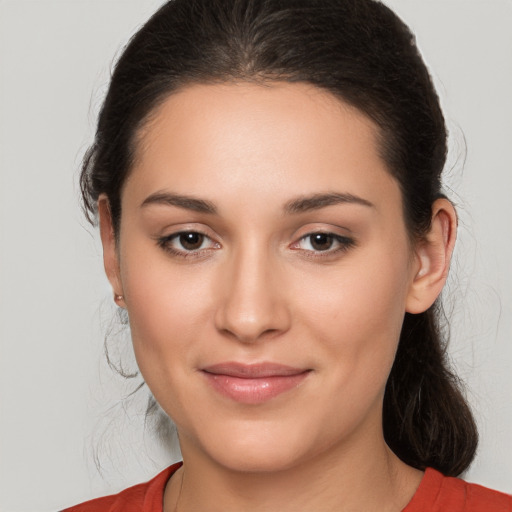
point(362, 53)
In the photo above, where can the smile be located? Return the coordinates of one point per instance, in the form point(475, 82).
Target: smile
point(253, 384)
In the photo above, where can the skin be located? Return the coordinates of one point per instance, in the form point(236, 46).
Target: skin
point(258, 289)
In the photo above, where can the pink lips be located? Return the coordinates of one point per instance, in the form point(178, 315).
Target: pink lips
point(253, 383)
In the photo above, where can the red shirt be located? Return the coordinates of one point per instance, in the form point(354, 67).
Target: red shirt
point(436, 493)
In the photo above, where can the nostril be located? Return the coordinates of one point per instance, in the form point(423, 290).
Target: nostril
point(249, 328)
point(246, 335)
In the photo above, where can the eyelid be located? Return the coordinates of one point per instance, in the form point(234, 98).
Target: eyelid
point(335, 236)
point(326, 228)
point(343, 244)
point(171, 230)
point(165, 241)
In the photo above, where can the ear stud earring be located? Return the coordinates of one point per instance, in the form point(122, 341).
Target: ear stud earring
point(118, 298)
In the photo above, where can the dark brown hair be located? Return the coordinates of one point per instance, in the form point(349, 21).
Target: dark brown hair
point(361, 52)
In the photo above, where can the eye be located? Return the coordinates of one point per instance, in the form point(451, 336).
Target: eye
point(319, 241)
point(186, 243)
point(190, 241)
point(324, 242)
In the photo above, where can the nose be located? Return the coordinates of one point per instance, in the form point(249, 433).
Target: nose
point(253, 304)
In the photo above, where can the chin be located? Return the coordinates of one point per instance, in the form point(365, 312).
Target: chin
point(257, 461)
point(257, 448)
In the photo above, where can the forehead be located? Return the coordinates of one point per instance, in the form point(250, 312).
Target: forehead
point(251, 139)
point(273, 110)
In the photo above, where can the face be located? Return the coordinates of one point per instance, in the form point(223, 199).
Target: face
point(266, 269)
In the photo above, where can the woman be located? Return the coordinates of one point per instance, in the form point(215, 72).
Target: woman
point(267, 178)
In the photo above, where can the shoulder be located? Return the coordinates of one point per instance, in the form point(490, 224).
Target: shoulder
point(439, 493)
point(145, 497)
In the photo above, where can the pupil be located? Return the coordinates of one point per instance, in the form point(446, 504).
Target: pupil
point(321, 241)
point(191, 241)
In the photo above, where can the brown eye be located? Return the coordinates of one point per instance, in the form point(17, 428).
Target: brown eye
point(321, 241)
point(324, 242)
point(187, 243)
point(191, 241)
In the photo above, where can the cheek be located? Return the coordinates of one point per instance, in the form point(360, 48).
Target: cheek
point(357, 314)
point(168, 310)
point(362, 294)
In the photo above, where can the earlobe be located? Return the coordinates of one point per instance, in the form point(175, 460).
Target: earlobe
point(110, 255)
point(432, 258)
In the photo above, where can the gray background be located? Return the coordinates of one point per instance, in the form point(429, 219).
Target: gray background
point(59, 402)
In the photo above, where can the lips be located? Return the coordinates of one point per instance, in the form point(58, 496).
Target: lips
point(253, 383)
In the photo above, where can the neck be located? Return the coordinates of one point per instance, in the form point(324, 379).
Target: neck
point(341, 480)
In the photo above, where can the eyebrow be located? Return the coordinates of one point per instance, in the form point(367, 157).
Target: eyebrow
point(299, 205)
point(318, 201)
point(181, 201)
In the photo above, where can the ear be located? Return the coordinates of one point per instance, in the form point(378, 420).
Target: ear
point(432, 258)
point(110, 254)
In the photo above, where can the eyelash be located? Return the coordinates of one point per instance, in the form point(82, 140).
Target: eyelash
point(344, 244)
point(166, 241)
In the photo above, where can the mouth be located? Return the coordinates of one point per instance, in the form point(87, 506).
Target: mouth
point(253, 383)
